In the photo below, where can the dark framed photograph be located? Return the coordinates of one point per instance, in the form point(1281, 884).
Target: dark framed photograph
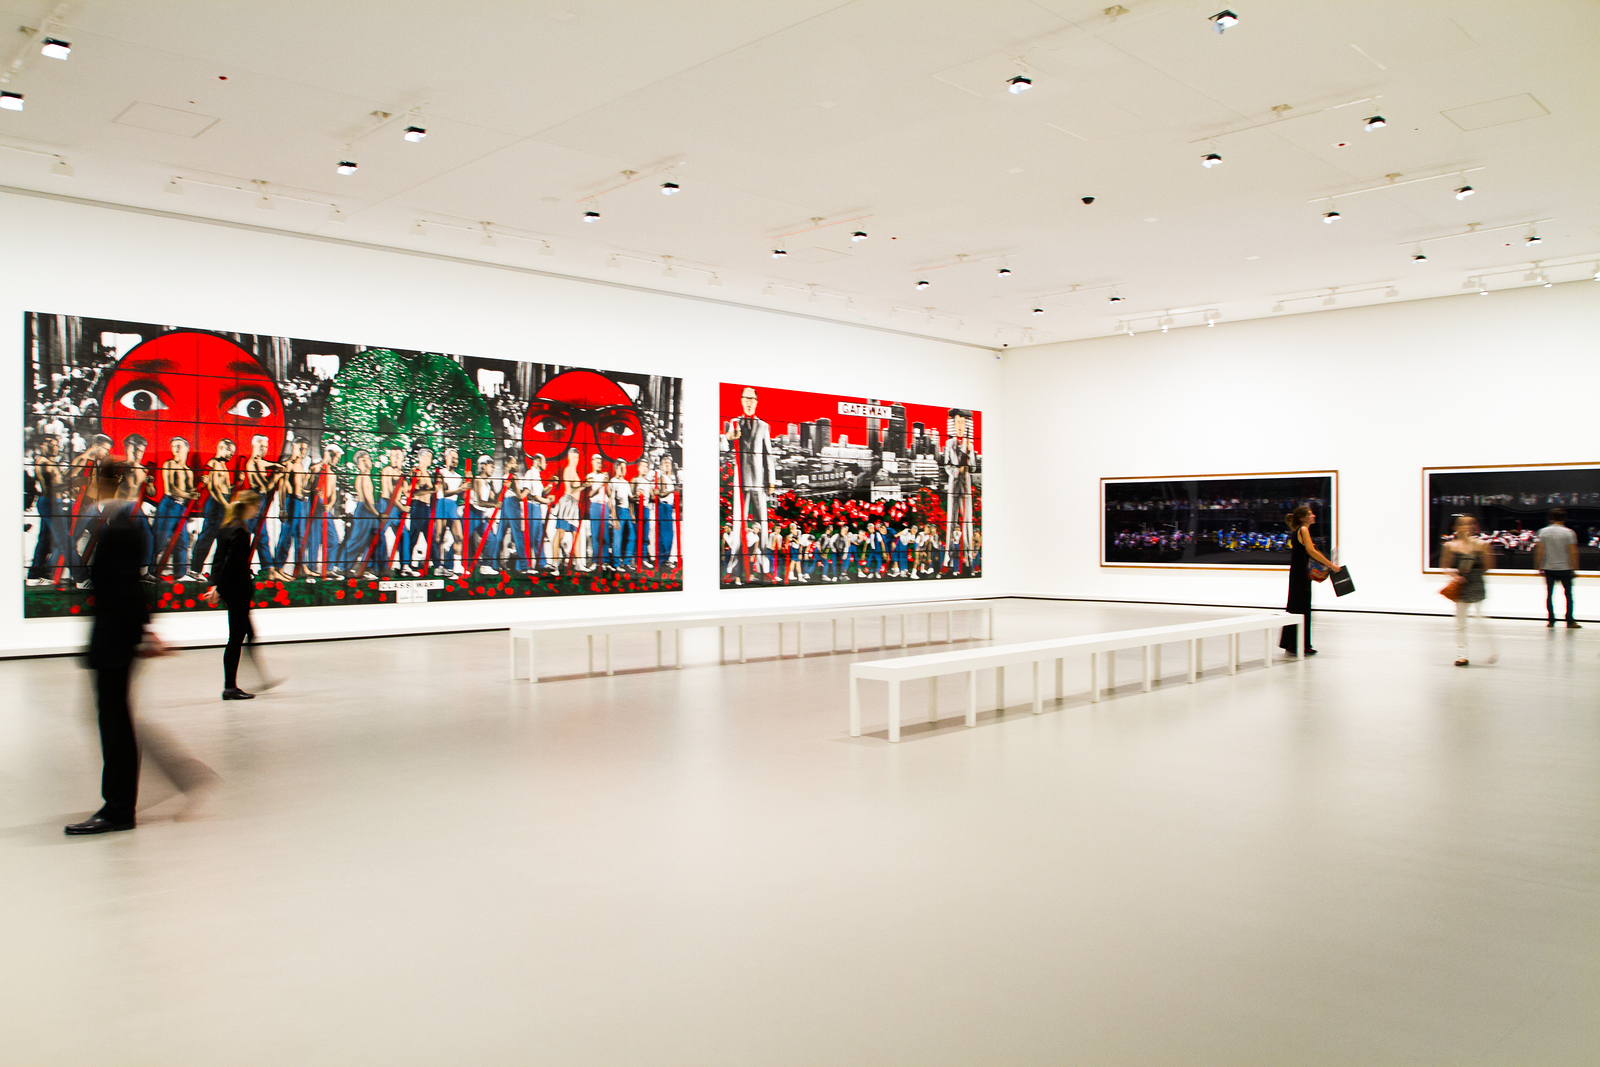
point(1512, 504)
point(1213, 521)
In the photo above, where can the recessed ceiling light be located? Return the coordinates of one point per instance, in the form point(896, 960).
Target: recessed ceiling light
point(346, 167)
point(858, 236)
point(1464, 192)
point(1532, 239)
point(1212, 317)
point(1003, 272)
point(1038, 311)
point(11, 101)
point(1418, 257)
point(1224, 20)
point(56, 49)
point(414, 134)
point(923, 284)
point(1020, 84)
point(1116, 297)
point(1376, 122)
point(778, 253)
point(591, 216)
point(1331, 216)
point(1209, 160)
point(668, 188)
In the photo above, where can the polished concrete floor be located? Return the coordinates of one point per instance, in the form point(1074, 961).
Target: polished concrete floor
point(1370, 858)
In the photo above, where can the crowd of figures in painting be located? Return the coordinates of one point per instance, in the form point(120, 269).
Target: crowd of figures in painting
point(382, 470)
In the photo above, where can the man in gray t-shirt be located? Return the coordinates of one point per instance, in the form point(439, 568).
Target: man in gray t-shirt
point(1556, 555)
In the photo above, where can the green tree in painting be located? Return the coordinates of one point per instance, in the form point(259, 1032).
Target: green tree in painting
point(383, 399)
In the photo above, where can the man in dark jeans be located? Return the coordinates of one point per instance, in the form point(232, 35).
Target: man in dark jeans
point(1556, 557)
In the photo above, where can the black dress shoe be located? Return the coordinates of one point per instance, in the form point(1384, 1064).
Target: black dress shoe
point(237, 694)
point(1311, 652)
point(1573, 626)
point(99, 824)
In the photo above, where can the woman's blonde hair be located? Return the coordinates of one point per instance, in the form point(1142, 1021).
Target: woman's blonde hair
point(243, 500)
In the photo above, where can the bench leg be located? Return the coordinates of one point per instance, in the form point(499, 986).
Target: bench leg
point(904, 641)
point(854, 644)
point(799, 640)
point(533, 660)
point(780, 640)
point(835, 646)
point(972, 698)
point(883, 630)
point(677, 650)
point(949, 627)
point(1144, 680)
point(722, 645)
point(608, 655)
point(513, 643)
point(894, 710)
point(658, 648)
point(855, 706)
point(1111, 670)
point(1194, 659)
point(933, 699)
point(1000, 689)
point(1233, 653)
point(591, 653)
point(1061, 673)
point(1094, 677)
point(1038, 698)
point(1266, 647)
point(741, 643)
point(1155, 663)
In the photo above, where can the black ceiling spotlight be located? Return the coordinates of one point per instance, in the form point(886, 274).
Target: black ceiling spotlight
point(1376, 122)
point(414, 134)
point(668, 188)
point(1088, 200)
point(858, 236)
point(591, 216)
point(54, 48)
point(1116, 297)
point(1209, 160)
point(1038, 311)
point(1224, 20)
point(1464, 192)
point(778, 253)
point(1020, 84)
point(923, 284)
point(346, 168)
point(1418, 257)
point(1331, 216)
point(1003, 272)
point(1532, 239)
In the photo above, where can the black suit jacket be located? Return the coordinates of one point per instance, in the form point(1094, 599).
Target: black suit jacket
point(121, 601)
point(231, 574)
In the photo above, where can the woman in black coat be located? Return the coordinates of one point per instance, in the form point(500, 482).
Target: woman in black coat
point(233, 583)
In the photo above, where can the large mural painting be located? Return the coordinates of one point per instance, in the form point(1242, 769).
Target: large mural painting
point(388, 475)
point(818, 488)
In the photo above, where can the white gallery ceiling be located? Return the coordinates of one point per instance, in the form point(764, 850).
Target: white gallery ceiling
point(793, 124)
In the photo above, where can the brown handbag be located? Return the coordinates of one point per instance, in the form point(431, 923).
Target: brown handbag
point(1452, 588)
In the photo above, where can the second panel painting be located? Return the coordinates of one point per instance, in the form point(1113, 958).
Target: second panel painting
point(818, 488)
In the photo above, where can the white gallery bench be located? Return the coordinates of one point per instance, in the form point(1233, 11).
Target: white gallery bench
point(1033, 653)
point(972, 610)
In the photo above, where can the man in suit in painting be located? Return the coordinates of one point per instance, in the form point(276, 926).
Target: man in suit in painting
point(958, 490)
point(756, 471)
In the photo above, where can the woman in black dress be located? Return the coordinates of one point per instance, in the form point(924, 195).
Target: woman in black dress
point(233, 583)
point(1301, 553)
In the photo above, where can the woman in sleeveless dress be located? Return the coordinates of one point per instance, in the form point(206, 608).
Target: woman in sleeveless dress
point(1471, 558)
point(1301, 552)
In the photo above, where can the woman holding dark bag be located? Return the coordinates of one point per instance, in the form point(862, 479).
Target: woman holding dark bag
point(1471, 559)
point(1301, 552)
point(234, 584)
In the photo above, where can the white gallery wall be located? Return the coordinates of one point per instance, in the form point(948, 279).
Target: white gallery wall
point(1376, 393)
point(81, 259)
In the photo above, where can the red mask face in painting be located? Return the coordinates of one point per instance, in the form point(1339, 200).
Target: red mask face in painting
point(583, 410)
point(196, 386)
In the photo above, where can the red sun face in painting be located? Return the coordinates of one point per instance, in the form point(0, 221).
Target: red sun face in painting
point(196, 386)
point(584, 410)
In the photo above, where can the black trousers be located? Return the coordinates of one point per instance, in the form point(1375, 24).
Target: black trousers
point(119, 748)
point(1290, 641)
point(239, 631)
point(1551, 580)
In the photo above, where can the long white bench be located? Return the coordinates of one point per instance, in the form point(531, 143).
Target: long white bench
point(530, 635)
point(1034, 653)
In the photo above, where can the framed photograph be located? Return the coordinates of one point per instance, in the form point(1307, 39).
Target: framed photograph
point(1214, 521)
point(819, 488)
point(1512, 504)
point(385, 475)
